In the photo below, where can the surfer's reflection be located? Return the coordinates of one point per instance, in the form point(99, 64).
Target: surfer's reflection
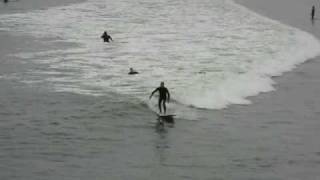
point(161, 144)
point(162, 140)
point(163, 122)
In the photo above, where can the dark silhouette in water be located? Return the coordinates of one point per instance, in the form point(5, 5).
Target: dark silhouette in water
point(313, 10)
point(106, 37)
point(5, 1)
point(163, 96)
point(132, 72)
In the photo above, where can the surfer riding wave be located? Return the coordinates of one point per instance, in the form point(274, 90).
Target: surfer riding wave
point(164, 95)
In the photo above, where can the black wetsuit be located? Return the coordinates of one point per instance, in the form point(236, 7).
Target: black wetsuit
point(163, 92)
point(106, 37)
point(312, 12)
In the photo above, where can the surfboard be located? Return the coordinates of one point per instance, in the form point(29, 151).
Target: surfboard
point(168, 118)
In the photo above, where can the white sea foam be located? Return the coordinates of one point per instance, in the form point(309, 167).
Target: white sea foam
point(210, 53)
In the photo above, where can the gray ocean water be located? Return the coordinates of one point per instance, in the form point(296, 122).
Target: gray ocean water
point(69, 110)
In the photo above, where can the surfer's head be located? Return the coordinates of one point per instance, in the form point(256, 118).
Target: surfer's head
point(162, 84)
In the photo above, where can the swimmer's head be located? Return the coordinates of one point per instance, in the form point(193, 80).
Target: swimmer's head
point(162, 84)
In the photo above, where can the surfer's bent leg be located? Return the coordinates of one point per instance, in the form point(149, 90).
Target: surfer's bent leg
point(164, 105)
point(159, 104)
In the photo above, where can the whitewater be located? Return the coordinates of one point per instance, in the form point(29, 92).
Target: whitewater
point(210, 54)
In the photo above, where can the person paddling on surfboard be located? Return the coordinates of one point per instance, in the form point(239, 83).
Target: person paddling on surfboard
point(132, 72)
point(163, 96)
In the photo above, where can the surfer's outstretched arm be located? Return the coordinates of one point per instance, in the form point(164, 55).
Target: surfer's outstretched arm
point(153, 93)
